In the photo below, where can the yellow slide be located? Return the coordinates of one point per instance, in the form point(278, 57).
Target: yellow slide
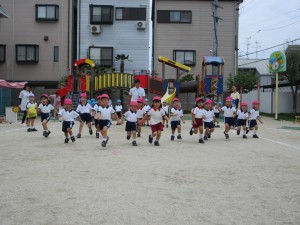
point(168, 97)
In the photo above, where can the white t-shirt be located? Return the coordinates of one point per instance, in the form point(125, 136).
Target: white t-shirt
point(216, 109)
point(177, 114)
point(242, 115)
point(146, 108)
point(156, 115)
point(87, 108)
point(209, 115)
point(140, 113)
point(68, 115)
point(118, 108)
point(95, 108)
point(136, 93)
point(46, 108)
point(105, 112)
point(24, 95)
point(131, 116)
point(166, 108)
point(254, 114)
point(30, 104)
point(198, 112)
point(228, 112)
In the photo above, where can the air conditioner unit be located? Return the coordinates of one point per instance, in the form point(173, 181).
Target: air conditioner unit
point(141, 25)
point(95, 29)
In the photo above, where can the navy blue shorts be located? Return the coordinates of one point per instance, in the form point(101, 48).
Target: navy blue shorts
point(66, 125)
point(241, 122)
point(209, 125)
point(104, 123)
point(229, 121)
point(217, 115)
point(252, 123)
point(174, 124)
point(45, 116)
point(130, 126)
point(86, 117)
point(97, 122)
point(119, 114)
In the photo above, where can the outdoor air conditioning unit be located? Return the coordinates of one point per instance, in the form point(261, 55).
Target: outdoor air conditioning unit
point(95, 29)
point(141, 25)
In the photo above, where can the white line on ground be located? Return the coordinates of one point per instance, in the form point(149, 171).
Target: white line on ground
point(281, 143)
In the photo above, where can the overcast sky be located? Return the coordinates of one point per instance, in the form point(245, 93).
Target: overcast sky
point(269, 22)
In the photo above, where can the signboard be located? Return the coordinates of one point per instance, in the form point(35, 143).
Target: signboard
point(277, 62)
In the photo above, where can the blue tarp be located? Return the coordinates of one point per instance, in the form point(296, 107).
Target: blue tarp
point(212, 60)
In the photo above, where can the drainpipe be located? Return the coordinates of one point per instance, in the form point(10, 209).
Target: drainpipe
point(78, 28)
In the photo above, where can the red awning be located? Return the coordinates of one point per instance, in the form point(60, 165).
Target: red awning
point(4, 83)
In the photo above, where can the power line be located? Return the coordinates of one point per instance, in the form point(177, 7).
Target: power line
point(271, 47)
point(280, 27)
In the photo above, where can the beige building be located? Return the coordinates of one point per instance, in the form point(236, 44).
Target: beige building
point(36, 41)
point(184, 32)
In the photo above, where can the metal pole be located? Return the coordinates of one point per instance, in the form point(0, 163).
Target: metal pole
point(276, 97)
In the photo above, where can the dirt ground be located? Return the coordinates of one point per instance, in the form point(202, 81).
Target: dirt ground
point(222, 182)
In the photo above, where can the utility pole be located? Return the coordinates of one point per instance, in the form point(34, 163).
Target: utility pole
point(216, 18)
point(256, 47)
point(248, 44)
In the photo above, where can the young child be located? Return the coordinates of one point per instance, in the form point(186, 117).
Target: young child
point(140, 115)
point(242, 119)
point(217, 112)
point(146, 109)
point(45, 108)
point(84, 109)
point(31, 112)
point(254, 115)
point(131, 124)
point(68, 116)
point(165, 107)
point(209, 119)
point(229, 113)
point(104, 115)
point(119, 109)
point(95, 115)
point(197, 119)
point(176, 116)
point(156, 113)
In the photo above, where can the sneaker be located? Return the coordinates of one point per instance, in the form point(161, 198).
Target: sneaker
point(238, 132)
point(172, 137)
point(103, 144)
point(148, 125)
point(29, 130)
point(73, 139)
point(48, 133)
point(156, 143)
point(91, 132)
point(217, 126)
point(209, 135)
point(44, 133)
point(24, 124)
point(244, 136)
point(150, 139)
point(33, 129)
point(138, 134)
point(128, 137)
point(205, 138)
point(201, 141)
point(66, 140)
point(134, 143)
point(78, 135)
point(226, 135)
point(247, 131)
point(179, 136)
point(191, 131)
point(97, 134)
point(255, 136)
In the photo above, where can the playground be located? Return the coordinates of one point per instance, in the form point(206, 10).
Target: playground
point(235, 181)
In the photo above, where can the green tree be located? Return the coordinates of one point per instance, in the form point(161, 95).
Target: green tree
point(245, 81)
point(186, 78)
point(122, 58)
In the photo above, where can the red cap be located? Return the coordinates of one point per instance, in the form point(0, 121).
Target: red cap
point(229, 99)
point(45, 96)
point(208, 101)
point(104, 96)
point(140, 100)
point(68, 101)
point(244, 104)
point(198, 99)
point(255, 102)
point(176, 99)
point(83, 95)
point(133, 103)
point(156, 98)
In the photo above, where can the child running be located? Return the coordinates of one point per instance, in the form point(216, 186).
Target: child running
point(176, 116)
point(104, 115)
point(45, 108)
point(156, 113)
point(119, 109)
point(217, 113)
point(146, 109)
point(95, 114)
point(242, 119)
point(31, 112)
point(254, 115)
point(229, 113)
point(165, 107)
point(140, 115)
point(197, 119)
point(131, 124)
point(209, 119)
point(84, 109)
point(68, 115)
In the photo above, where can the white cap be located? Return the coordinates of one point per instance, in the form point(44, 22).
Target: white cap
point(31, 95)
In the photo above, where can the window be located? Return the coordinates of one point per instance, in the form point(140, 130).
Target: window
point(27, 53)
point(56, 54)
point(186, 57)
point(46, 12)
point(131, 14)
point(2, 53)
point(173, 16)
point(102, 56)
point(101, 14)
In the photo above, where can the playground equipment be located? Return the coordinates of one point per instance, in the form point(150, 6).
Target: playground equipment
point(211, 84)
